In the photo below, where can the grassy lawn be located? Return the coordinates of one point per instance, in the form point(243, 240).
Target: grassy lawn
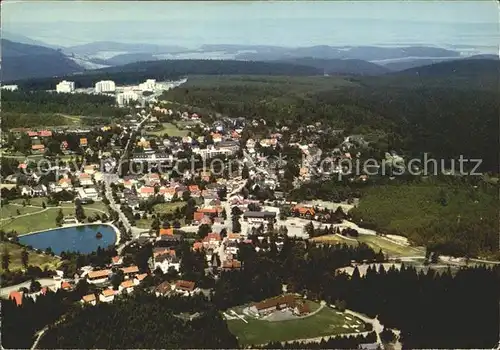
point(143, 223)
point(170, 129)
point(392, 249)
point(92, 208)
point(37, 222)
point(168, 207)
point(11, 210)
point(34, 259)
point(375, 242)
point(332, 239)
point(325, 322)
point(36, 201)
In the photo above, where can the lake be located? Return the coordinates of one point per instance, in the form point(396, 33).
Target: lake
point(77, 239)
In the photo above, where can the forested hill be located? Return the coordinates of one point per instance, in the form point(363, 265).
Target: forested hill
point(22, 61)
point(134, 73)
point(445, 118)
point(473, 68)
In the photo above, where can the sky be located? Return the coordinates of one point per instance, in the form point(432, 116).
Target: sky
point(299, 23)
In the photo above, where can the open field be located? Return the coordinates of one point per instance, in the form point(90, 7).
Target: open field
point(332, 239)
point(36, 222)
point(90, 208)
point(325, 322)
point(46, 219)
point(144, 223)
point(388, 247)
point(36, 201)
point(375, 242)
point(34, 259)
point(170, 129)
point(9, 210)
point(168, 207)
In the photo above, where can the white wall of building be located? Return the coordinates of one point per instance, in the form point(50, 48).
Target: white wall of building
point(65, 86)
point(105, 86)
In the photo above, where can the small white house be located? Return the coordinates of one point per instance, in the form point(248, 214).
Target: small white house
point(107, 295)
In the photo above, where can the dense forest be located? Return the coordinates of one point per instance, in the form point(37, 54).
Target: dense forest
point(417, 117)
point(451, 218)
point(162, 70)
point(40, 108)
point(138, 322)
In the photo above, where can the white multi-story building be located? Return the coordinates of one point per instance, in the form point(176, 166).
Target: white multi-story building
point(65, 86)
point(105, 86)
point(148, 85)
point(10, 87)
point(126, 97)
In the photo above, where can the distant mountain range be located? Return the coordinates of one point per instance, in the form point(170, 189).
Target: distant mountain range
point(22, 61)
point(33, 59)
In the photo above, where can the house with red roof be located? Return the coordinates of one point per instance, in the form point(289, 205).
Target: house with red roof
point(66, 286)
point(185, 287)
point(167, 193)
point(85, 179)
point(216, 137)
point(65, 183)
point(89, 299)
point(195, 190)
point(197, 246)
point(17, 297)
point(127, 286)
point(130, 271)
point(116, 260)
point(232, 264)
point(146, 191)
point(166, 232)
point(45, 133)
point(38, 148)
point(212, 241)
point(107, 295)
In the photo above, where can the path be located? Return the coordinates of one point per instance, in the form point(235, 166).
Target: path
point(377, 326)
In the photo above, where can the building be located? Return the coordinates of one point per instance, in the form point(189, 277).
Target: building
point(166, 259)
point(130, 271)
point(185, 287)
point(85, 179)
point(259, 217)
point(231, 264)
point(38, 148)
point(89, 299)
point(17, 297)
point(278, 303)
point(126, 97)
point(65, 87)
point(105, 86)
point(163, 289)
point(10, 87)
point(107, 295)
point(148, 85)
point(99, 276)
point(86, 194)
point(212, 241)
point(127, 286)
